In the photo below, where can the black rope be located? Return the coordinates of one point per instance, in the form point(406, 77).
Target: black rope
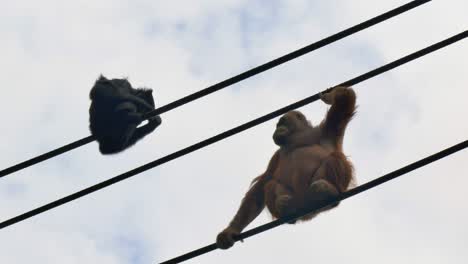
point(227, 134)
point(228, 82)
point(369, 185)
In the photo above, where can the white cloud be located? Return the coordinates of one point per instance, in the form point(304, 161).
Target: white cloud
point(52, 52)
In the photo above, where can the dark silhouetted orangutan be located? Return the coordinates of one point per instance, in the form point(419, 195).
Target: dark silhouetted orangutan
point(308, 168)
point(116, 111)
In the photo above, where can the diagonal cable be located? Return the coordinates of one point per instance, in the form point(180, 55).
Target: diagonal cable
point(228, 133)
point(362, 188)
point(214, 88)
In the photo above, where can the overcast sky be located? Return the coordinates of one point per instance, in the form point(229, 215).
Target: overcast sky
point(51, 52)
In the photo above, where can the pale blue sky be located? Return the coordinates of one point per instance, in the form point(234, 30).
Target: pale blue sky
point(52, 51)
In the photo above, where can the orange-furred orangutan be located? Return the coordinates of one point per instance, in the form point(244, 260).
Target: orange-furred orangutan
point(308, 168)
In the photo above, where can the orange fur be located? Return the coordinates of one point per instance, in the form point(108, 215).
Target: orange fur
point(309, 167)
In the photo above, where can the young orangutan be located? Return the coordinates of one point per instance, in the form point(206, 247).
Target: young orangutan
point(308, 168)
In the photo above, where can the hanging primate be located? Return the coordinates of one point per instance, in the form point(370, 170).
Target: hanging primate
point(308, 168)
point(116, 111)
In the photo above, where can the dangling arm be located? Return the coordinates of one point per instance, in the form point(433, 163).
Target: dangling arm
point(251, 206)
